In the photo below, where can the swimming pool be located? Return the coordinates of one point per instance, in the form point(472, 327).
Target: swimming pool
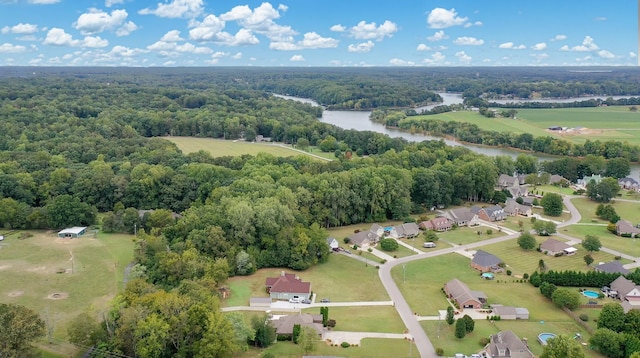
point(591, 294)
point(543, 337)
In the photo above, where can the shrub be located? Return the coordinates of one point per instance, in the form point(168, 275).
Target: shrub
point(484, 341)
point(489, 231)
point(525, 276)
point(344, 344)
point(268, 355)
point(584, 317)
point(346, 240)
point(508, 272)
point(389, 244)
point(439, 352)
point(618, 257)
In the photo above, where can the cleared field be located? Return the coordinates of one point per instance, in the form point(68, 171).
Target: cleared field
point(39, 272)
point(467, 235)
point(383, 319)
point(622, 244)
point(339, 279)
point(587, 208)
point(370, 347)
point(221, 148)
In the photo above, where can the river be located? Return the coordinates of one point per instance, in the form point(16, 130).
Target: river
point(359, 120)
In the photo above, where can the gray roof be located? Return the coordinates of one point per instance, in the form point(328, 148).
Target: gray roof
point(512, 206)
point(284, 325)
point(461, 292)
point(485, 259)
point(554, 245)
point(461, 214)
point(508, 341)
point(628, 180)
point(612, 267)
point(407, 229)
point(555, 178)
point(622, 285)
point(625, 227)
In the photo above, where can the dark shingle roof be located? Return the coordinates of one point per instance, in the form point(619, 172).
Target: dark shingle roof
point(485, 259)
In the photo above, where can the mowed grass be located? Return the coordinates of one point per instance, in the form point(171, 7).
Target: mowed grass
point(220, 147)
point(339, 279)
point(467, 235)
point(621, 244)
point(369, 347)
point(626, 210)
point(384, 319)
point(29, 274)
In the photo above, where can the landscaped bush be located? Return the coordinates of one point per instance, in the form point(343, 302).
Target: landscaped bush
point(389, 244)
point(345, 345)
point(346, 240)
point(439, 352)
point(584, 317)
point(484, 341)
point(508, 272)
point(525, 276)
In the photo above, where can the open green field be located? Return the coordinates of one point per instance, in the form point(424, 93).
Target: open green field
point(626, 210)
point(370, 348)
point(622, 244)
point(383, 319)
point(39, 273)
point(339, 279)
point(220, 147)
point(467, 235)
point(604, 123)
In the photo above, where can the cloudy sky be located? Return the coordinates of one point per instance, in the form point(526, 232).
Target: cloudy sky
point(317, 33)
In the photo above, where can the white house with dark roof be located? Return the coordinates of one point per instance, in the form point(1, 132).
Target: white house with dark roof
point(629, 183)
point(627, 292)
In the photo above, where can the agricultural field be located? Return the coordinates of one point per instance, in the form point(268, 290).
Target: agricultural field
point(596, 121)
point(220, 148)
point(61, 278)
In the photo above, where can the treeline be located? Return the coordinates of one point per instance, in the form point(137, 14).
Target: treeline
point(576, 278)
point(594, 102)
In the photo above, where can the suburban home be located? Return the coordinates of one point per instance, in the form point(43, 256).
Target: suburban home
point(284, 324)
point(333, 243)
point(611, 267)
point(512, 208)
point(506, 344)
point(518, 191)
point(626, 291)
point(553, 247)
point(509, 312)
point(72, 232)
point(586, 180)
point(366, 238)
point(629, 183)
point(528, 201)
point(557, 179)
point(261, 138)
point(625, 228)
point(288, 286)
point(485, 262)
point(407, 230)
point(459, 293)
point(489, 213)
point(506, 181)
point(437, 224)
point(462, 217)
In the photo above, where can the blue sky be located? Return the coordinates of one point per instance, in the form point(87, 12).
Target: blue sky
point(318, 33)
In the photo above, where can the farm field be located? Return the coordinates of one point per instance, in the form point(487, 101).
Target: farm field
point(38, 273)
point(220, 148)
point(339, 279)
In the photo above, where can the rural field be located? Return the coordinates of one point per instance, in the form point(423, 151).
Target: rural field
point(39, 273)
point(221, 148)
point(536, 121)
point(370, 348)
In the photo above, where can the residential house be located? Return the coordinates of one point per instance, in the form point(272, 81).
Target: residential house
point(261, 138)
point(611, 267)
point(625, 228)
point(284, 324)
point(627, 292)
point(288, 286)
point(629, 183)
point(366, 238)
point(72, 232)
point(512, 208)
point(506, 181)
point(490, 213)
point(586, 180)
point(528, 201)
point(333, 243)
point(557, 179)
point(437, 224)
point(462, 217)
point(509, 312)
point(485, 262)
point(518, 191)
point(506, 344)
point(553, 247)
point(406, 230)
point(460, 293)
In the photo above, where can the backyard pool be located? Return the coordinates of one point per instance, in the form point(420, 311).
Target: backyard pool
point(591, 294)
point(543, 337)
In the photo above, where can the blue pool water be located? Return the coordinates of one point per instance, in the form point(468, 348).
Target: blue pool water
point(543, 337)
point(590, 294)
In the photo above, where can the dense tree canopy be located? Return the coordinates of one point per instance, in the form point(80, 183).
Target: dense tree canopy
point(19, 327)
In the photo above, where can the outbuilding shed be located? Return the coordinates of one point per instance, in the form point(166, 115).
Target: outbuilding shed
point(72, 232)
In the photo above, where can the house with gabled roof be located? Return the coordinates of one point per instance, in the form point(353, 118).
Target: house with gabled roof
point(611, 267)
point(288, 286)
point(460, 293)
point(518, 191)
point(485, 262)
point(462, 217)
point(489, 213)
point(366, 238)
point(555, 178)
point(625, 228)
point(629, 183)
point(505, 344)
point(626, 291)
point(437, 224)
point(284, 324)
point(512, 208)
point(333, 243)
point(505, 181)
point(406, 230)
point(553, 247)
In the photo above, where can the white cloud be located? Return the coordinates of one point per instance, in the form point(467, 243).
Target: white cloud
point(559, 38)
point(311, 40)
point(438, 36)
point(296, 58)
point(423, 47)
point(242, 37)
point(361, 47)
point(587, 45)
point(190, 48)
point(539, 46)
point(469, 24)
point(369, 31)
point(58, 37)
point(468, 41)
point(24, 29)
point(110, 3)
point(540, 56)
point(237, 56)
point(338, 28)
point(122, 51)
point(11, 48)
point(632, 55)
point(96, 21)
point(400, 62)
point(43, 2)
point(600, 18)
point(176, 9)
point(171, 36)
point(93, 42)
point(436, 58)
point(162, 46)
point(219, 54)
point(506, 45)
point(126, 29)
point(606, 54)
point(440, 18)
point(260, 20)
point(207, 30)
point(463, 57)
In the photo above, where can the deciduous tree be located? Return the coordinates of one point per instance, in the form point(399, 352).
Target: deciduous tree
point(562, 346)
point(591, 243)
point(552, 204)
point(526, 241)
point(19, 327)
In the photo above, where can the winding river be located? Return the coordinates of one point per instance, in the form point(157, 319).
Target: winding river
point(359, 120)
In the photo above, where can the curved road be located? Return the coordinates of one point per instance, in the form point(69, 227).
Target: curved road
point(424, 345)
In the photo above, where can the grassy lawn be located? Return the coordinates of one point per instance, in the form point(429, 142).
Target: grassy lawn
point(401, 251)
point(622, 244)
point(220, 147)
point(467, 235)
point(339, 279)
point(370, 347)
point(442, 336)
point(551, 189)
point(587, 208)
point(30, 275)
point(383, 319)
